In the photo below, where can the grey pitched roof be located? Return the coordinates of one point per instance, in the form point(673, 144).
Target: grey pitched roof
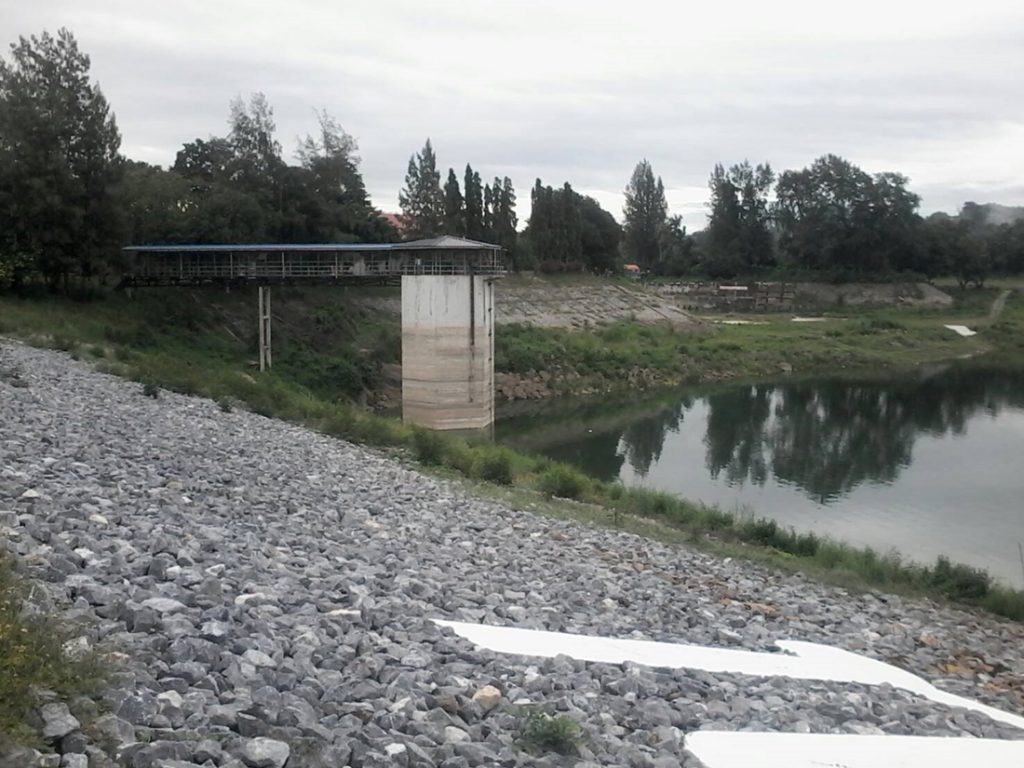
point(449, 242)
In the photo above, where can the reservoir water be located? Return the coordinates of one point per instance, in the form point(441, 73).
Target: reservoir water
point(927, 464)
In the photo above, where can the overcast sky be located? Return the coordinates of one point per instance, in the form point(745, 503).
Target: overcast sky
point(579, 91)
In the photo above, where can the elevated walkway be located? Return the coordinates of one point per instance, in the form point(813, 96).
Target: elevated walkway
point(153, 265)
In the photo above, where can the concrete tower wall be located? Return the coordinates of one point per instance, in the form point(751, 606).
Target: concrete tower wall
point(448, 351)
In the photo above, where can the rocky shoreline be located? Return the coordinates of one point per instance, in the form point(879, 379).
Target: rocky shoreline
point(267, 594)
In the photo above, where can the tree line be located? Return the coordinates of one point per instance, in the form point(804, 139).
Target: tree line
point(69, 199)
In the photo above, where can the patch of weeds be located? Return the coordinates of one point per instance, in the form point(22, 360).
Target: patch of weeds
point(542, 732)
point(63, 342)
point(34, 657)
point(494, 465)
point(225, 405)
point(461, 458)
point(563, 482)
point(429, 446)
point(97, 351)
point(959, 581)
point(149, 389)
point(874, 325)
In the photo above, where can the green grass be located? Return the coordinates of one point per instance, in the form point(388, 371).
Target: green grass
point(167, 355)
point(33, 658)
point(625, 355)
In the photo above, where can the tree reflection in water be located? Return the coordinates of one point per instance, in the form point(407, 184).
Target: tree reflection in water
point(824, 437)
point(827, 437)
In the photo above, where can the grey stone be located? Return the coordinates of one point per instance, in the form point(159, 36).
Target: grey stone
point(164, 605)
point(58, 721)
point(265, 753)
point(231, 540)
point(454, 735)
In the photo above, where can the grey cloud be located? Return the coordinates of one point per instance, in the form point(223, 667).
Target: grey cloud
point(576, 92)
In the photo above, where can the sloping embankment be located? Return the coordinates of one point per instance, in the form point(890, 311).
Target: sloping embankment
point(270, 590)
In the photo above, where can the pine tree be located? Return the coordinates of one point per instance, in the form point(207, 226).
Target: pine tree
point(474, 204)
point(645, 213)
point(454, 208)
point(488, 223)
point(421, 199)
point(738, 234)
point(59, 163)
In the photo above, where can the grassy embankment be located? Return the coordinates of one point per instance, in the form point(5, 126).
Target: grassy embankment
point(170, 346)
point(627, 355)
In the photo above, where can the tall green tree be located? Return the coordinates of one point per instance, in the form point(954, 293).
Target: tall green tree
point(488, 212)
point(256, 165)
point(474, 204)
point(835, 216)
point(738, 233)
point(333, 198)
point(454, 206)
point(676, 248)
point(600, 235)
point(644, 213)
point(421, 199)
point(503, 215)
point(205, 160)
point(59, 163)
point(570, 232)
point(157, 205)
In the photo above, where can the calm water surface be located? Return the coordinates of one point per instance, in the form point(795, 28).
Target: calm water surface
point(926, 464)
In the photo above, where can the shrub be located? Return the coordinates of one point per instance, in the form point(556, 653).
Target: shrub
point(494, 465)
point(149, 389)
point(429, 446)
point(958, 581)
point(460, 457)
point(761, 531)
point(562, 481)
point(63, 342)
point(224, 404)
point(542, 732)
point(877, 325)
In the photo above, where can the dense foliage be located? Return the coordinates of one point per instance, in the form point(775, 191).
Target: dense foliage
point(484, 212)
point(644, 215)
point(570, 232)
point(68, 200)
point(59, 163)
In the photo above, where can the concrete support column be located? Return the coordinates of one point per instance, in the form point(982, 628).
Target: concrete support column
point(266, 357)
point(448, 351)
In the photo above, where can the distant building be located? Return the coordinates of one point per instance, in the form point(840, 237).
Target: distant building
point(632, 270)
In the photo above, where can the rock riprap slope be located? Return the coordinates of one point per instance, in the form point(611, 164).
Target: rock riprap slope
point(265, 594)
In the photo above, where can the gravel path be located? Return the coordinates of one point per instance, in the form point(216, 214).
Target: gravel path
point(224, 554)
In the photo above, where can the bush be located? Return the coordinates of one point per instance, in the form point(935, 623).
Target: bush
point(495, 466)
point(149, 389)
point(877, 325)
point(562, 481)
point(224, 404)
point(428, 446)
point(958, 581)
point(543, 733)
point(461, 458)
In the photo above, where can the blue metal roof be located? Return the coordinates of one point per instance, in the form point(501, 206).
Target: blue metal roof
point(444, 243)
